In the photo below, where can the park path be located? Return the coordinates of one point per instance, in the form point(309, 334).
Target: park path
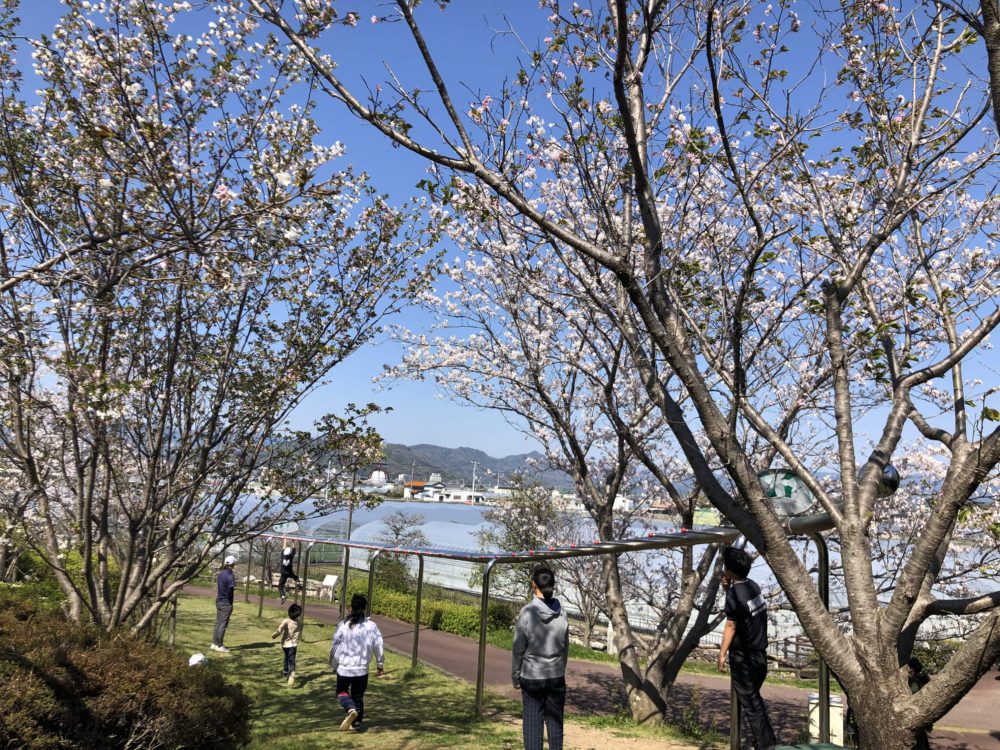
point(595, 687)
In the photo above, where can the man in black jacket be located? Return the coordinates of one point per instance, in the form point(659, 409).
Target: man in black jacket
point(745, 641)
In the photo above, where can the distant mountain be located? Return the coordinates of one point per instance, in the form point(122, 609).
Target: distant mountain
point(455, 466)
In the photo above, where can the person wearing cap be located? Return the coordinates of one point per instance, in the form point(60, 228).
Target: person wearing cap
point(225, 585)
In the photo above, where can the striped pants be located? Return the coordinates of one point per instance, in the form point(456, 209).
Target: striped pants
point(543, 702)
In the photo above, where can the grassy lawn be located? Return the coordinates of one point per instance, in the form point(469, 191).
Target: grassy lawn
point(405, 709)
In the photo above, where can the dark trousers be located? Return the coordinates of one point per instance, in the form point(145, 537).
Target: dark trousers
point(351, 693)
point(543, 702)
point(223, 610)
point(289, 659)
point(285, 575)
point(748, 669)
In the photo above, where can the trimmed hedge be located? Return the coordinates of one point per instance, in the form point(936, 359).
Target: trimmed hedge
point(68, 685)
point(439, 614)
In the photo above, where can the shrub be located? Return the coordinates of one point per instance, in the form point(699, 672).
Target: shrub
point(393, 572)
point(68, 685)
point(501, 615)
point(434, 622)
point(439, 614)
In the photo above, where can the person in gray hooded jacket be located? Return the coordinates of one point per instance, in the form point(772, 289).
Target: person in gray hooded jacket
point(541, 645)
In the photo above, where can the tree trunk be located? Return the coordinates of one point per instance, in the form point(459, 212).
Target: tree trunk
point(991, 36)
point(879, 726)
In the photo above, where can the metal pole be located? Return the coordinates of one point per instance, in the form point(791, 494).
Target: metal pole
point(173, 622)
point(305, 582)
point(823, 584)
point(416, 616)
point(484, 609)
point(263, 573)
point(246, 589)
point(734, 718)
point(371, 580)
point(347, 550)
point(343, 584)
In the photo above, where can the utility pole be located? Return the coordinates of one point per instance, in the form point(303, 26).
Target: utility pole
point(474, 465)
point(326, 490)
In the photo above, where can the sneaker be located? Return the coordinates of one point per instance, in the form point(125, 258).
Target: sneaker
point(359, 727)
point(214, 647)
point(223, 649)
point(348, 722)
point(283, 599)
point(291, 679)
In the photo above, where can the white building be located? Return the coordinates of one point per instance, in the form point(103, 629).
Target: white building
point(569, 502)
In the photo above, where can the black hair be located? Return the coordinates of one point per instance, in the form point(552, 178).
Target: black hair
point(294, 611)
point(737, 561)
point(359, 604)
point(545, 580)
point(915, 664)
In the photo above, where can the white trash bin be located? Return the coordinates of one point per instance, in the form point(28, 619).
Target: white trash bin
point(836, 718)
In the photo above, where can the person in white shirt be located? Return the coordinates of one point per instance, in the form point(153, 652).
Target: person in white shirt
point(354, 642)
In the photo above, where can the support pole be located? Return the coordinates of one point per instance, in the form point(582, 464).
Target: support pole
point(416, 616)
point(343, 584)
point(484, 609)
point(347, 550)
point(246, 589)
point(263, 574)
point(305, 582)
point(371, 580)
point(734, 718)
point(173, 621)
point(823, 584)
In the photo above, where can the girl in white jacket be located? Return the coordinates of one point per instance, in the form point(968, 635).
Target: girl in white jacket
point(354, 642)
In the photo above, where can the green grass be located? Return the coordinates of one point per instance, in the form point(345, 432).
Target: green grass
point(405, 709)
point(621, 725)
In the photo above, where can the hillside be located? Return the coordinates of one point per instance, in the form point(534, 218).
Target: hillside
point(455, 465)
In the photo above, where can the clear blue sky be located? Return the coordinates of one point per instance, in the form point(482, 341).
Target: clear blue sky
point(418, 413)
point(469, 51)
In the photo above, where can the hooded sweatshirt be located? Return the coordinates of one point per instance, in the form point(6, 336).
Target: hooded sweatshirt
point(541, 641)
point(352, 648)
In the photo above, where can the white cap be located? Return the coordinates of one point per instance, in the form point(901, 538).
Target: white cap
point(197, 660)
point(230, 560)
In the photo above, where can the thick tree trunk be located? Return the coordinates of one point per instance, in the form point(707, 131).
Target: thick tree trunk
point(879, 726)
point(991, 36)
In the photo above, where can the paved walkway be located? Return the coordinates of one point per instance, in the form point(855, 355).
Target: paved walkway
point(595, 688)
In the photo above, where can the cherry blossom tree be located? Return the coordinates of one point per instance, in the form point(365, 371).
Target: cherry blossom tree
point(521, 335)
point(798, 217)
point(180, 265)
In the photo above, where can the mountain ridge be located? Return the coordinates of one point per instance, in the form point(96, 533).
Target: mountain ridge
point(455, 465)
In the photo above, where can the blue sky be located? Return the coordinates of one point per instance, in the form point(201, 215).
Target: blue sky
point(469, 51)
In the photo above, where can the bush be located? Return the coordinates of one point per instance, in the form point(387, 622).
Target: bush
point(502, 615)
point(393, 573)
point(68, 685)
point(439, 614)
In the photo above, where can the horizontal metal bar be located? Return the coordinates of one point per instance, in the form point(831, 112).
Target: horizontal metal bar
point(679, 538)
